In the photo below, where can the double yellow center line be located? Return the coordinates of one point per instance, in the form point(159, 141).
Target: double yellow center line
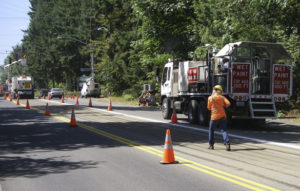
point(251, 185)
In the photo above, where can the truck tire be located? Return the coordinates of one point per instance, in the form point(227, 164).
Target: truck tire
point(193, 111)
point(203, 114)
point(166, 109)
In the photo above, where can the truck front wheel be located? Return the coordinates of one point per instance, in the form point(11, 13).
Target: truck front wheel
point(193, 111)
point(166, 109)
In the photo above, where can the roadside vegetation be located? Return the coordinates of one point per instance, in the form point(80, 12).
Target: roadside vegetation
point(131, 38)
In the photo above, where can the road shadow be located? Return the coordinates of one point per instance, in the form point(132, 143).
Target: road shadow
point(15, 166)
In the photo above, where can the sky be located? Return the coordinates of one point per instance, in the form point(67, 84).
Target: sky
point(13, 19)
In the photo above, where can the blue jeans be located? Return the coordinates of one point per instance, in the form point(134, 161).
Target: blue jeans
point(222, 123)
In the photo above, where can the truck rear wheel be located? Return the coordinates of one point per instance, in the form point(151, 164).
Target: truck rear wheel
point(166, 109)
point(203, 114)
point(193, 111)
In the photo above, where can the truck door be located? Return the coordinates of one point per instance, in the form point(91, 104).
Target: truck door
point(166, 86)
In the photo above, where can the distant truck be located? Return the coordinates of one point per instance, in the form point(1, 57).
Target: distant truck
point(254, 76)
point(22, 86)
point(90, 88)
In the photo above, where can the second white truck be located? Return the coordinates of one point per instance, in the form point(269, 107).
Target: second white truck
point(22, 86)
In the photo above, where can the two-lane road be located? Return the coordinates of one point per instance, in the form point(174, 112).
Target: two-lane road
point(122, 149)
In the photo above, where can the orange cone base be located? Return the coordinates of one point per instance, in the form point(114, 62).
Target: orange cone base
point(174, 119)
point(73, 123)
point(168, 157)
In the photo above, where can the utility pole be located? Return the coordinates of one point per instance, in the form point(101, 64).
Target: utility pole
point(92, 53)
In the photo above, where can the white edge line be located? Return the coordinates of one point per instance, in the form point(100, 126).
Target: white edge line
point(191, 128)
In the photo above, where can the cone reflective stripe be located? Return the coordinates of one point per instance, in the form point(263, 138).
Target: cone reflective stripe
point(47, 112)
point(73, 120)
point(27, 105)
point(109, 108)
point(174, 115)
point(90, 102)
point(168, 156)
point(18, 101)
point(77, 102)
point(62, 99)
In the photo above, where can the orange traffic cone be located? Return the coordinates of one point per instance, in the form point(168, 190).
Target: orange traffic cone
point(4, 96)
point(73, 120)
point(168, 156)
point(49, 98)
point(47, 112)
point(77, 102)
point(109, 108)
point(62, 99)
point(66, 97)
point(18, 102)
point(44, 96)
point(174, 115)
point(90, 102)
point(10, 99)
point(27, 105)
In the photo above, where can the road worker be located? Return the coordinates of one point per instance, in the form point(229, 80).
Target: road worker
point(217, 104)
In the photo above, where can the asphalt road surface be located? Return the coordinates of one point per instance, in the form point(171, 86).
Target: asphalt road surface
point(122, 149)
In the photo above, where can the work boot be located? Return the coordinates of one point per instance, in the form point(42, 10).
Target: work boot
point(211, 147)
point(227, 145)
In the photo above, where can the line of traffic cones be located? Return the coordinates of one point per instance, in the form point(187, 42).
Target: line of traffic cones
point(109, 108)
point(168, 156)
point(174, 115)
point(73, 120)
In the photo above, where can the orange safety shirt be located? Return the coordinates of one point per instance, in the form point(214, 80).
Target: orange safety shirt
point(217, 103)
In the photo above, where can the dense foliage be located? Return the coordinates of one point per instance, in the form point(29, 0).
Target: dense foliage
point(130, 38)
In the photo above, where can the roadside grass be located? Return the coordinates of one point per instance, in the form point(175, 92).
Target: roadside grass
point(292, 116)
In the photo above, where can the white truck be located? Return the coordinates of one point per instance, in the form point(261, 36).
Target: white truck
point(254, 75)
point(90, 88)
point(22, 86)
